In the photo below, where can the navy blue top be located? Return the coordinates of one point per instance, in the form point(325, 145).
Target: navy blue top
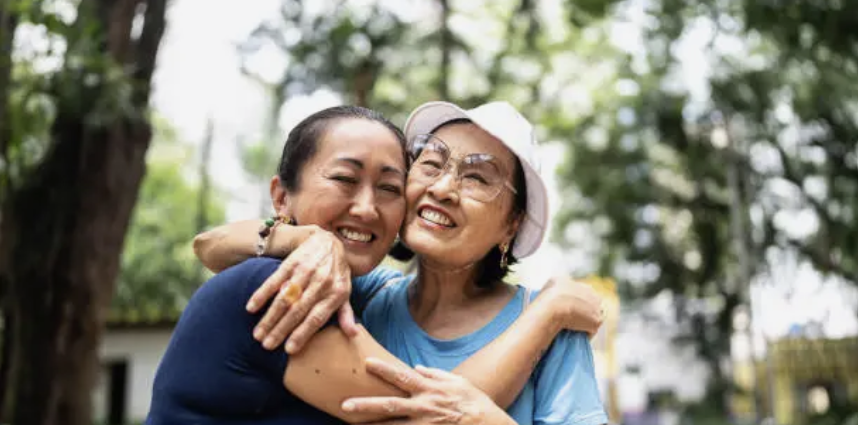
point(214, 372)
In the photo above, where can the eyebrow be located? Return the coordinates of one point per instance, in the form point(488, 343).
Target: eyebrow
point(386, 169)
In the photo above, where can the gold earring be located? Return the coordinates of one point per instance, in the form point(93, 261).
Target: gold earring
point(504, 247)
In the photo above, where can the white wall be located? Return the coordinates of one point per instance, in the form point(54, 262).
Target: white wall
point(142, 350)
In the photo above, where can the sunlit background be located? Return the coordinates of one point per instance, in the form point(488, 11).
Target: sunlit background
point(701, 157)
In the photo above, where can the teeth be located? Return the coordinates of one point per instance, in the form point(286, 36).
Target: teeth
point(435, 217)
point(355, 235)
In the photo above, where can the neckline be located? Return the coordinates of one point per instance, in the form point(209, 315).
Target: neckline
point(465, 344)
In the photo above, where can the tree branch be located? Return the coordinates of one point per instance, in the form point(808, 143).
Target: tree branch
point(155, 22)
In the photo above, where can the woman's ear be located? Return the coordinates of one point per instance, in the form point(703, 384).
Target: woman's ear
point(279, 197)
point(512, 229)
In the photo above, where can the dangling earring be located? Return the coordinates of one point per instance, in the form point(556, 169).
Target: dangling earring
point(504, 247)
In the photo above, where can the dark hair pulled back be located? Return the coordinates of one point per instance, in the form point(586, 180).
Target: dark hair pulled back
point(303, 141)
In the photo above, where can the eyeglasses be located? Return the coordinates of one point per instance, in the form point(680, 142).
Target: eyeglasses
point(478, 174)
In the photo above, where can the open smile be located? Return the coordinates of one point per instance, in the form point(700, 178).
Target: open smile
point(436, 216)
point(355, 235)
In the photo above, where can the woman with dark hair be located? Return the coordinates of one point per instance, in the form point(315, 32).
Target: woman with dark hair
point(341, 183)
point(475, 204)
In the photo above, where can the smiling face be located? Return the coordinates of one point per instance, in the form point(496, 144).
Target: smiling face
point(447, 228)
point(352, 186)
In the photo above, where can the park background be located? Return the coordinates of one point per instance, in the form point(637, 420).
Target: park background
point(702, 156)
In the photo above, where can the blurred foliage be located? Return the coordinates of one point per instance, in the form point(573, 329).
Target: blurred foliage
point(644, 165)
point(838, 415)
point(59, 72)
point(159, 270)
point(699, 194)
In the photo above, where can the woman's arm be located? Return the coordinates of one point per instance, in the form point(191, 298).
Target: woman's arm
point(232, 243)
point(316, 271)
point(435, 396)
point(333, 367)
point(502, 368)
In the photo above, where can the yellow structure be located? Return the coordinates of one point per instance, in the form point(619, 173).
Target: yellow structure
point(603, 343)
point(802, 371)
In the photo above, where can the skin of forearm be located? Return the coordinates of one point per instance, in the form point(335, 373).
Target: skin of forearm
point(230, 244)
point(495, 417)
point(501, 368)
point(332, 368)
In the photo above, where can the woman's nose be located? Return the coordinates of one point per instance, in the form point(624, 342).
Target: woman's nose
point(363, 205)
point(446, 188)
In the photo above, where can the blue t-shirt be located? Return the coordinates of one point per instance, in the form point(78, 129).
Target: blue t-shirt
point(214, 372)
point(561, 390)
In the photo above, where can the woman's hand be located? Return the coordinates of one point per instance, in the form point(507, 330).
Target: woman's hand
point(576, 305)
point(436, 397)
point(308, 287)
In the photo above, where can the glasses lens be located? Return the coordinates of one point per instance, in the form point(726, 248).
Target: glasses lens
point(428, 156)
point(481, 178)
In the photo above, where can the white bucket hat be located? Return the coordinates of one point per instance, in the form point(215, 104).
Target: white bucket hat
point(501, 120)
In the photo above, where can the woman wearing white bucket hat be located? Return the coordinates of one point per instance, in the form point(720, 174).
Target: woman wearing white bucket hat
point(476, 204)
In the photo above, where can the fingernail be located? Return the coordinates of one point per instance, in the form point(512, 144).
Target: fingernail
point(258, 334)
point(348, 406)
point(269, 343)
point(251, 305)
point(290, 347)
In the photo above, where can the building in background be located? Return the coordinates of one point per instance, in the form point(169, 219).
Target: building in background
point(129, 354)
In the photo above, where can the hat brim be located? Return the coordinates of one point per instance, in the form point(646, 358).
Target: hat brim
point(428, 116)
point(530, 235)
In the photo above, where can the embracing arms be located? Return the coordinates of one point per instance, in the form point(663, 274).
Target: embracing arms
point(500, 370)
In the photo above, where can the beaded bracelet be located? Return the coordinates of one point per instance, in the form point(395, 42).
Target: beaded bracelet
point(265, 231)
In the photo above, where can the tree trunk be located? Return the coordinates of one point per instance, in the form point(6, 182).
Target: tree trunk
point(364, 80)
point(8, 24)
point(63, 230)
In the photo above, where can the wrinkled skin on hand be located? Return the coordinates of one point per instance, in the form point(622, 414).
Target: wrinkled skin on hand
point(434, 397)
point(309, 286)
point(577, 305)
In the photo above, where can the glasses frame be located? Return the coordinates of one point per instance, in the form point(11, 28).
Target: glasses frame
point(447, 168)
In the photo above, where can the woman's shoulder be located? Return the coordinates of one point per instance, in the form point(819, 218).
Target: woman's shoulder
point(374, 285)
point(378, 275)
point(254, 266)
point(241, 279)
point(365, 287)
point(567, 390)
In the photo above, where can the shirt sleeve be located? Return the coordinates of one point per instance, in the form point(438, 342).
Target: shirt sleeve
point(566, 388)
point(364, 286)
